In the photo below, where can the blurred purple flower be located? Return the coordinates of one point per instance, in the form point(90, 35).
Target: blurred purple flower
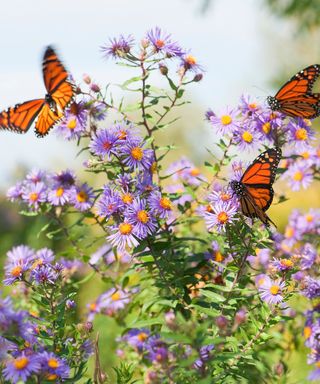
point(162, 42)
point(53, 367)
point(21, 367)
point(271, 291)
point(104, 143)
point(299, 176)
point(34, 194)
point(118, 47)
point(81, 197)
point(226, 121)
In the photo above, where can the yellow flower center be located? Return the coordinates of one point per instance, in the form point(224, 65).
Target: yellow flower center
point(305, 155)
point(318, 152)
point(59, 192)
point(143, 216)
point(289, 232)
point(34, 196)
point(222, 217)
point(226, 119)
point(218, 257)
point(142, 336)
point(127, 198)
point(252, 105)
point(301, 134)
point(21, 362)
point(125, 228)
point(51, 376)
point(122, 134)
point(318, 364)
point(72, 124)
point(16, 271)
point(53, 363)
point(82, 197)
point(266, 127)
point(247, 137)
point(298, 176)
point(191, 60)
point(307, 331)
point(194, 172)
point(286, 263)
point(274, 289)
point(159, 43)
point(165, 203)
point(116, 296)
point(309, 218)
point(93, 306)
point(153, 168)
point(137, 153)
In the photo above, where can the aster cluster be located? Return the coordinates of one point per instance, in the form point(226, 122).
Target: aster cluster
point(155, 47)
point(42, 189)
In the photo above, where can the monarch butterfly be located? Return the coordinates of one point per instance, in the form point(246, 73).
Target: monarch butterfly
point(295, 98)
point(254, 189)
point(50, 109)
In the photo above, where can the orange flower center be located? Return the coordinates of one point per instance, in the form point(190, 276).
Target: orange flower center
point(191, 60)
point(194, 172)
point(218, 257)
point(122, 135)
point(252, 105)
point(298, 176)
point(301, 134)
point(127, 198)
point(159, 43)
point(53, 363)
point(289, 232)
point(274, 289)
point(226, 120)
point(142, 336)
point(116, 296)
point(266, 128)
point(21, 362)
point(82, 197)
point(225, 196)
point(137, 153)
point(305, 155)
point(93, 306)
point(125, 228)
point(165, 203)
point(34, 196)
point(143, 216)
point(286, 263)
point(309, 218)
point(16, 271)
point(59, 192)
point(72, 124)
point(247, 137)
point(222, 217)
point(51, 376)
point(307, 331)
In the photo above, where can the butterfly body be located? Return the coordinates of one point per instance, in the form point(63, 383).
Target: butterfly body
point(49, 110)
point(254, 189)
point(295, 98)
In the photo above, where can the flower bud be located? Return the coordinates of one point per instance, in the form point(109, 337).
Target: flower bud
point(198, 77)
point(240, 317)
point(95, 87)
point(221, 322)
point(144, 43)
point(86, 78)
point(163, 69)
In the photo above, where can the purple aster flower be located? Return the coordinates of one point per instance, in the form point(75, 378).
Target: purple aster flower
point(266, 125)
point(185, 171)
point(21, 253)
point(137, 338)
point(97, 110)
point(160, 205)
point(225, 122)
point(70, 266)
point(82, 197)
point(124, 235)
point(309, 222)
point(43, 256)
point(70, 304)
point(53, 367)
point(300, 133)
point(113, 301)
point(58, 196)
point(247, 138)
point(140, 217)
point(65, 178)
point(34, 194)
point(125, 131)
point(145, 183)
point(204, 355)
point(6, 347)
point(36, 176)
point(222, 196)
point(104, 143)
point(271, 290)
point(308, 256)
point(209, 114)
point(124, 181)
point(44, 274)
point(261, 259)
point(157, 349)
point(118, 47)
point(15, 192)
point(109, 203)
point(137, 157)
point(298, 175)
point(190, 63)
point(248, 106)
point(221, 215)
point(283, 264)
point(73, 123)
point(87, 348)
point(311, 288)
point(162, 42)
point(21, 367)
point(20, 259)
point(238, 168)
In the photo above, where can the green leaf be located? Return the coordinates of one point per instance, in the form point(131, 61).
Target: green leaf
point(214, 296)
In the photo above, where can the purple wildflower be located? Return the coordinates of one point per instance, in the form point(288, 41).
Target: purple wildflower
point(21, 368)
point(270, 291)
point(103, 143)
point(123, 236)
point(73, 123)
point(247, 138)
point(185, 171)
point(139, 216)
point(300, 133)
point(221, 215)
point(15, 192)
point(65, 178)
point(34, 194)
point(225, 122)
point(190, 63)
point(308, 256)
point(283, 264)
point(82, 197)
point(118, 47)
point(137, 338)
point(248, 106)
point(36, 176)
point(44, 274)
point(162, 42)
point(137, 157)
point(311, 288)
point(299, 175)
point(53, 367)
point(160, 205)
point(109, 203)
point(58, 196)
point(113, 300)
point(157, 349)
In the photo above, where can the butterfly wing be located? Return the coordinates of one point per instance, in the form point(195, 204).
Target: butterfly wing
point(60, 92)
point(20, 117)
point(250, 209)
point(306, 106)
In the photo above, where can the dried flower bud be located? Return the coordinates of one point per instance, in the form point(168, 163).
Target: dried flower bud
point(198, 77)
point(95, 87)
point(86, 78)
point(163, 69)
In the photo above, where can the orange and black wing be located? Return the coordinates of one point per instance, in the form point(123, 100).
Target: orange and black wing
point(60, 92)
point(250, 209)
point(20, 117)
point(300, 84)
point(305, 106)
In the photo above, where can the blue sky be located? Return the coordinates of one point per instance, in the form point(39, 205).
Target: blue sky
point(229, 40)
